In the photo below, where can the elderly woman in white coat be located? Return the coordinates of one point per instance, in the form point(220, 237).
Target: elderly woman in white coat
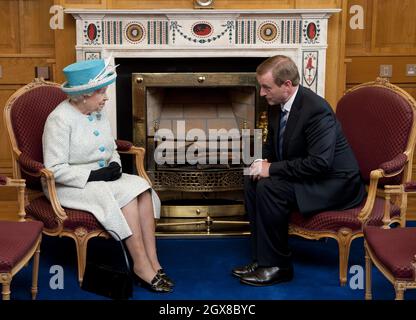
point(79, 149)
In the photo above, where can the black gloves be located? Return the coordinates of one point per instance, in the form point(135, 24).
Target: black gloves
point(110, 173)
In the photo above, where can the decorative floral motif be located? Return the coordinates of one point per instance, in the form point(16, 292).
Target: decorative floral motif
point(310, 69)
point(202, 29)
point(176, 28)
point(311, 31)
point(92, 32)
point(134, 32)
point(268, 32)
point(92, 55)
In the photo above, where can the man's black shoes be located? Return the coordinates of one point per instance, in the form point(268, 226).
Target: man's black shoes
point(242, 271)
point(266, 276)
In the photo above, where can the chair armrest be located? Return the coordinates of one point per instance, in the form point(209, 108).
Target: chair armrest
point(20, 185)
point(29, 165)
point(123, 145)
point(366, 211)
point(394, 166)
point(49, 178)
point(414, 266)
point(127, 147)
point(410, 186)
point(9, 182)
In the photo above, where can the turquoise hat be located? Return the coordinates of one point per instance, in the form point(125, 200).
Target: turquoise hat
point(87, 76)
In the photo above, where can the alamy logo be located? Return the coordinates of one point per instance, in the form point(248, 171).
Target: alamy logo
point(357, 278)
point(57, 280)
point(196, 147)
point(357, 20)
point(57, 20)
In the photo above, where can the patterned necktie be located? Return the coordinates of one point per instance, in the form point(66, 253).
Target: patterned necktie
point(283, 119)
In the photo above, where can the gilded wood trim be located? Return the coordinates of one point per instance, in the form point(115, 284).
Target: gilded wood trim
point(20, 185)
point(344, 237)
point(139, 154)
point(50, 184)
point(368, 275)
point(81, 237)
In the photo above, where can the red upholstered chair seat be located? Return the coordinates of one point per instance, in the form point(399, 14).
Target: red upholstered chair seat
point(335, 220)
point(394, 248)
point(41, 209)
point(16, 240)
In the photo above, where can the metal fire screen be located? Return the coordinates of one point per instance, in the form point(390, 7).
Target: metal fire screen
point(198, 199)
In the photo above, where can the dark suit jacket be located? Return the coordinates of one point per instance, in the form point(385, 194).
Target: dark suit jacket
point(316, 156)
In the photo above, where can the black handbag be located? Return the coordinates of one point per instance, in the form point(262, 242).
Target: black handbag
point(107, 279)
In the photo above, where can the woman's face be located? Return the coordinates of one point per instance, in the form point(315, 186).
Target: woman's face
point(97, 100)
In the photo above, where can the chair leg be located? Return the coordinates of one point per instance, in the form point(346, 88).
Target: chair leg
point(368, 270)
point(35, 272)
point(399, 288)
point(344, 243)
point(81, 241)
point(5, 279)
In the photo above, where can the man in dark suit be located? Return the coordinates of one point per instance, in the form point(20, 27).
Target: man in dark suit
point(307, 165)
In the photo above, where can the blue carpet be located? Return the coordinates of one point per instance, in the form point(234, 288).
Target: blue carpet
point(201, 269)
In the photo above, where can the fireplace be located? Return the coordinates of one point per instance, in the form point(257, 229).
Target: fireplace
point(160, 93)
point(170, 46)
point(200, 180)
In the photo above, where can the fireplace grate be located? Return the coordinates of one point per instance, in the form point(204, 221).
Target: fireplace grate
point(197, 180)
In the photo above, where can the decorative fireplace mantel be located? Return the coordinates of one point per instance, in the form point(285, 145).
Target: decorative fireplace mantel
point(298, 33)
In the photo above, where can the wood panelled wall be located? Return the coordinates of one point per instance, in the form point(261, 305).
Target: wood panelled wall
point(353, 56)
point(26, 41)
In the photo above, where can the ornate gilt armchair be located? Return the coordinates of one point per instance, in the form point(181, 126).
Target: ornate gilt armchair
point(19, 243)
point(25, 114)
point(378, 119)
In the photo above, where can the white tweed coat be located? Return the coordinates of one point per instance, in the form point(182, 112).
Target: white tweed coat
point(73, 145)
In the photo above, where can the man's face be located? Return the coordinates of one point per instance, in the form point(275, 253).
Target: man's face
point(274, 94)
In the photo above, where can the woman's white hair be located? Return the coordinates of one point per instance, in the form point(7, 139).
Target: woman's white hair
point(80, 97)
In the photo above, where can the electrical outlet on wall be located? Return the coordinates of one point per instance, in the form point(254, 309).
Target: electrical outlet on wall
point(386, 70)
point(42, 72)
point(411, 70)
